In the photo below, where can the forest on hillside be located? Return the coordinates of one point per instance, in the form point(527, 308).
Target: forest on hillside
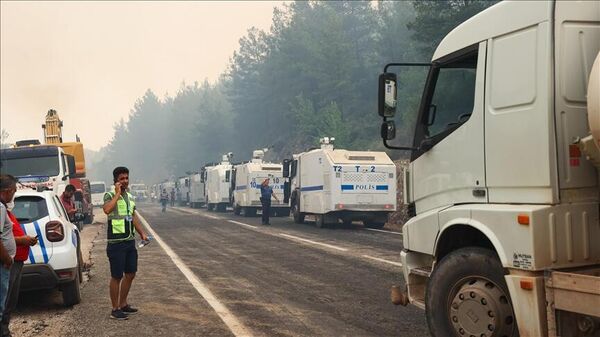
point(313, 74)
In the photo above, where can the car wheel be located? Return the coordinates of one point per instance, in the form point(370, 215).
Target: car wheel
point(467, 296)
point(71, 293)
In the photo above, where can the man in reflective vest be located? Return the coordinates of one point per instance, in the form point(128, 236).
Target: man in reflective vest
point(122, 224)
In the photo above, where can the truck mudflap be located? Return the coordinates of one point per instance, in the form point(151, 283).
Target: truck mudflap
point(573, 302)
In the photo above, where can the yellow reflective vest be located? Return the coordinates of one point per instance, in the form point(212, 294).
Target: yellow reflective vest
point(120, 220)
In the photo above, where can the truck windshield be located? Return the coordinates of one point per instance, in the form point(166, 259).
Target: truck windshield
point(453, 95)
point(35, 166)
point(98, 188)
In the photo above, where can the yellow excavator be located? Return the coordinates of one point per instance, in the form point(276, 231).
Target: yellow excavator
point(53, 136)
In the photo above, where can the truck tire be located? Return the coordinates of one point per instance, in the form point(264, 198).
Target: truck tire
point(221, 207)
point(298, 216)
point(467, 296)
point(237, 210)
point(71, 292)
point(373, 224)
point(320, 220)
point(210, 207)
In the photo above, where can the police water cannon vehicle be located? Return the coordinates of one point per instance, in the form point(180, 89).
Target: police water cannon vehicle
point(334, 184)
point(218, 183)
point(197, 190)
point(246, 186)
point(182, 193)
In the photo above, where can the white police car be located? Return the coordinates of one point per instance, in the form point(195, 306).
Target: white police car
point(56, 261)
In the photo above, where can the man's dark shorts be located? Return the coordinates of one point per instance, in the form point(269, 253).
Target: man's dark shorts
point(122, 257)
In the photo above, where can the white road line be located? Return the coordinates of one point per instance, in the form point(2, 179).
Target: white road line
point(313, 242)
point(241, 223)
point(383, 260)
point(382, 231)
point(236, 327)
point(211, 216)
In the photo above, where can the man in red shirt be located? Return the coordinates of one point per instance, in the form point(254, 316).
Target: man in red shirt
point(14, 284)
point(66, 199)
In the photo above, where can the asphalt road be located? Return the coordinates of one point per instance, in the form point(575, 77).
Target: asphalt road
point(217, 274)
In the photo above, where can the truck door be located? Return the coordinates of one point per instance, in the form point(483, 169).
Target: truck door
point(449, 167)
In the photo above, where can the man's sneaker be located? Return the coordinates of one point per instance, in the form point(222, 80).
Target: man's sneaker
point(129, 310)
point(118, 314)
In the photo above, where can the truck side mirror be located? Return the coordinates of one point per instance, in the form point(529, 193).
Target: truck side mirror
point(388, 130)
point(286, 168)
point(71, 166)
point(387, 95)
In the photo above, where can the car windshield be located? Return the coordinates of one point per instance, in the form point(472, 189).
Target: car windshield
point(36, 166)
point(30, 208)
point(98, 188)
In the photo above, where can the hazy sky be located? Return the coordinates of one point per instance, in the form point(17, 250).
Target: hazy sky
point(91, 60)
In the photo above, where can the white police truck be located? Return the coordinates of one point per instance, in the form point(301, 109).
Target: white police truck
point(197, 193)
point(334, 184)
point(246, 186)
point(218, 184)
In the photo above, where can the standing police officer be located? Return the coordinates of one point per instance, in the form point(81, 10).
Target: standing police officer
point(266, 192)
point(123, 222)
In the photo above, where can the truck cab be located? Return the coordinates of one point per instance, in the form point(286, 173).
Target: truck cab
point(39, 165)
point(500, 188)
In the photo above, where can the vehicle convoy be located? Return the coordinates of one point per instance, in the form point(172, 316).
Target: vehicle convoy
point(247, 178)
point(334, 184)
point(503, 180)
point(217, 179)
point(56, 261)
point(197, 196)
point(97, 189)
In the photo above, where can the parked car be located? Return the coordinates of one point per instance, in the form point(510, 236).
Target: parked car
point(56, 261)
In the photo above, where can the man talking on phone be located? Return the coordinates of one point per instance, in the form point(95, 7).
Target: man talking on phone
point(123, 222)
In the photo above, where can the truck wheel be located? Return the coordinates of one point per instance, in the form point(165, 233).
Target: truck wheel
point(320, 220)
point(237, 210)
point(374, 224)
point(221, 207)
point(298, 216)
point(467, 296)
point(210, 207)
point(71, 293)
